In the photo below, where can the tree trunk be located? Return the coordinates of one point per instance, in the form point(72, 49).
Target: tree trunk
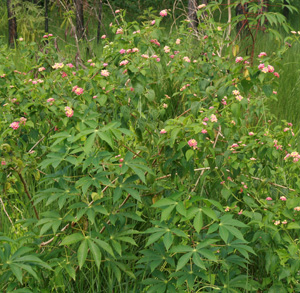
point(79, 18)
point(46, 17)
point(99, 21)
point(12, 24)
point(241, 9)
point(192, 6)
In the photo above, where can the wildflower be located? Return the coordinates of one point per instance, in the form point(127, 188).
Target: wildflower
point(157, 59)
point(251, 133)
point(21, 39)
point(103, 37)
point(134, 50)
point(286, 129)
point(252, 159)
point(105, 64)
point(153, 22)
point(124, 62)
point(89, 61)
point(69, 111)
point(283, 198)
point(117, 11)
point(290, 124)
point(203, 131)
point(45, 36)
point(177, 42)
point(284, 222)
point(239, 98)
point(15, 125)
point(240, 212)
point(23, 120)
point(41, 69)
point(227, 209)
point(293, 32)
point(193, 143)
point(145, 56)
point(236, 92)
point(167, 49)
point(122, 51)
point(3, 163)
point(270, 68)
point(186, 59)
point(92, 64)
point(234, 145)
point(262, 54)
point(297, 209)
point(201, 6)
point(276, 74)
point(105, 72)
point(219, 28)
point(172, 56)
point(128, 51)
point(163, 13)
point(269, 198)
point(155, 41)
point(50, 35)
point(239, 59)
point(274, 92)
point(58, 65)
point(213, 118)
point(261, 66)
point(78, 91)
point(70, 65)
point(163, 131)
point(63, 74)
point(119, 31)
point(276, 223)
point(204, 38)
point(94, 97)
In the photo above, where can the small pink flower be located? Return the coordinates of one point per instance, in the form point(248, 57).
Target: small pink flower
point(117, 11)
point(74, 88)
point(92, 64)
point(153, 22)
point(276, 74)
point(23, 120)
point(163, 13)
point(276, 223)
point(203, 131)
point(128, 51)
point(79, 91)
point(270, 68)
point(239, 98)
point(105, 64)
point(105, 72)
point(15, 125)
point(213, 118)
point(103, 37)
point(119, 31)
point(50, 35)
point(265, 70)
point(186, 59)
point(227, 209)
point(283, 198)
point(177, 41)
point(167, 49)
point(3, 163)
point(94, 97)
point(269, 198)
point(261, 66)
point(290, 124)
point(172, 56)
point(239, 59)
point(262, 54)
point(69, 111)
point(42, 69)
point(124, 62)
point(45, 36)
point(297, 209)
point(240, 212)
point(89, 61)
point(236, 92)
point(165, 106)
point(205, 37)
point(274, 92)
point(70, 65)
point(193, 143)
point(157, 59)
point(284, 222)
point(251, 133)
point(145, 56)
point(63, 74)
point(163, 131)
point(134, 50)
point(122, 51)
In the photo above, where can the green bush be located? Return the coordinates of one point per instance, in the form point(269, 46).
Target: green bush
point(156, 167)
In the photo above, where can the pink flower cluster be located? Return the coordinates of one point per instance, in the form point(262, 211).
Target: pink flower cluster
point(294, 155)
point(266, 69)
point(105, 73)
point(193, 143)
point(277, 146)
point(69, 112)
point(15, 125)
point(77, 90)
point(239, 59)
point(124, 62)
point(46, 36)
point(155, 41)
point(163, 13)
point(262, 54)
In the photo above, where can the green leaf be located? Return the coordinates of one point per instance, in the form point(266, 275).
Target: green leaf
point(163, 202)
point(17, 272)
point(89, 143)
point(154, 237)
point(198, 261)
point(104, 245)
point(198, 222)
point(95, 252)
point(168, 240)
point(82, 253)
point(210, 213)
point(71, 271)
point(224, 233)
point(71, 239)
point(183, 260)
point(166, 212)
point(189, 153)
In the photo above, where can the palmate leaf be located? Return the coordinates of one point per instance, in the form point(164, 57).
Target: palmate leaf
point(71, 239)
point(82, 253)
point(95, 252)
point(183, 260)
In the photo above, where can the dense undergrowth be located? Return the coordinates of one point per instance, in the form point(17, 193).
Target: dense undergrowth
point(148, 169)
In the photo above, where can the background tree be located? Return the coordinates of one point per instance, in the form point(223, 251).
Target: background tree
point(12, 24)
point(79, 18)
point(192, 7)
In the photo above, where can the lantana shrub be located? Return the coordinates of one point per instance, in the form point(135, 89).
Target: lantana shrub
point(154, 166)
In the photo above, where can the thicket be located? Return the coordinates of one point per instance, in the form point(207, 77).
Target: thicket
point(153, 168)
